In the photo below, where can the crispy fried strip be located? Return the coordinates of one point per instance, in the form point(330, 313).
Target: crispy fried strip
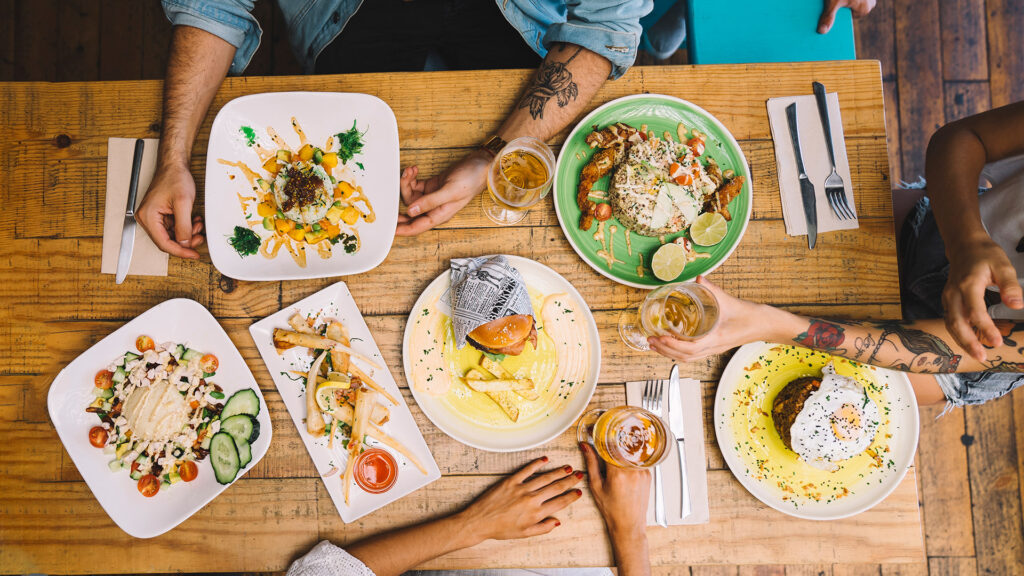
point(499, 385)
point(379, 434)
point(299, 324)
point(339, 359)
point(504, 399)
point(365, 378)
point(313, 341)
point(314, 419)
point(500, 372)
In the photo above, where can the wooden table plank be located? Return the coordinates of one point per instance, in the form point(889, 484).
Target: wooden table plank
point(53, 146)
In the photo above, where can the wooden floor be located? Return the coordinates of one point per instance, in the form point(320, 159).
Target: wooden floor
point(941, 60)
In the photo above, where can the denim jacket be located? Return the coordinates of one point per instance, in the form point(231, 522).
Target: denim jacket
point(610, 28)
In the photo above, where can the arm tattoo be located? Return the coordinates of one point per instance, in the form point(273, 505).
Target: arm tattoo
point(553, 80)
point(824, 336)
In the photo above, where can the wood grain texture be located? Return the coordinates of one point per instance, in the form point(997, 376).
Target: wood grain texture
point(919, 55)
point(964, 50)
point(965, 99)
point(61, 306)
point(945, 490)
point(952, 566)
point(1005, 51)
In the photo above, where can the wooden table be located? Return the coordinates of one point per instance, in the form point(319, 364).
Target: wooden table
point(54, 303)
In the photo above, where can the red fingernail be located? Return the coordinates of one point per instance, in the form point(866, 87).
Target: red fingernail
point(543, 458)
point(579, 492)
point(557, 523)
point(579, 475)
point(567, 469)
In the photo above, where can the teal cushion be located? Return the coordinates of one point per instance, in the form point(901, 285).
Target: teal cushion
point(747, 31)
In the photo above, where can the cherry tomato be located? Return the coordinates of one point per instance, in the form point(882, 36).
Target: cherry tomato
point(684, 179)
point(143, 343)
point(603, 212)
point(135, 467)
point(188, 471)
point(149, 485)
point(98, 436)
point(697, 144)
point(209, 363)
point(104, 379)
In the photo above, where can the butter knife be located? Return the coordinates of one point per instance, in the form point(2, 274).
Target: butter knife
point(806, 186)
point(124, 257)
point(675, 422)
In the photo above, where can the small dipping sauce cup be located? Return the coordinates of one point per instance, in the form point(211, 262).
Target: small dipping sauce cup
point(376, 471)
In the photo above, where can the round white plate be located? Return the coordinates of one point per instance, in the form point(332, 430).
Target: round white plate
point(515, 436)
point(320, 114)
point(185, 322)
point(904, 427)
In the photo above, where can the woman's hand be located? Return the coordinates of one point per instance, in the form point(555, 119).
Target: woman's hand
point(739, 322)
point(434, 201)
point(828, 14)
point(973, 266)
point(521, 505)
point(166, 212)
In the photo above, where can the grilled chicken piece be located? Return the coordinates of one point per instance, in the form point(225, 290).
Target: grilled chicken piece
point(612, 135)
point(719, 201)
point(600, 165)
point(714, 172)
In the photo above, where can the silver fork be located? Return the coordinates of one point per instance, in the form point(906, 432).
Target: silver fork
point(835, 191)
point(651, 401)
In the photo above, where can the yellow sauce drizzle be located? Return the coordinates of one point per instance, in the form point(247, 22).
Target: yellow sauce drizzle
point(629, 245)
point(640, 268)
point(278, 141)
point(599, 235)
point(298, 130)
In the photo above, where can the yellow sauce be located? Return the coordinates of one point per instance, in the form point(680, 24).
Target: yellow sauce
point(760, 448)
point(298, 130)
point(629, 244)
point(640, 267)
point(599, 235)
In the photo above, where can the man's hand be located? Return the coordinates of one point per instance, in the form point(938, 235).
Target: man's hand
point(973, 266)
point(828, 15)
point(435, 200)
point(621, 495)
point(166, 212)
point(739, 322)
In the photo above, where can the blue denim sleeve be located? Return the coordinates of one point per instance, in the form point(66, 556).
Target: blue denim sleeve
point(230, 20)
point(610, 28)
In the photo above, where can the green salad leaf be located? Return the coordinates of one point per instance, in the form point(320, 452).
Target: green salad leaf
point(350, 143)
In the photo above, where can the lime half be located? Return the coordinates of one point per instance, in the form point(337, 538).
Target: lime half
point(668, 262)
point(709, 229)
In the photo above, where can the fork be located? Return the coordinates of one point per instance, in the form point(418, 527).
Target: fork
point(835, 191)
point(651, 401)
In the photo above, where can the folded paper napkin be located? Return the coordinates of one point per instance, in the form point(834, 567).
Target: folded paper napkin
point(816, 164)
point(147, 259)
point(696, 463)
point(483, 289)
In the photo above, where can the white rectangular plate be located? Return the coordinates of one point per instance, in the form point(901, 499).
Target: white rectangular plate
point(182, 321)
point(336, 302)
point(321, 115)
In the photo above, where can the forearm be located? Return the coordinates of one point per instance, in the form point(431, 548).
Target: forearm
point(197, 65)
point(632, 557)
point(563, 85)
point(922, 346)
point(401, 550)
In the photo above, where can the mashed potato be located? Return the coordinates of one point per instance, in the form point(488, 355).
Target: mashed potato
point(156, 413)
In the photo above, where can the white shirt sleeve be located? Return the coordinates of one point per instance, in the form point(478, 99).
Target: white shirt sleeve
point(326, 559)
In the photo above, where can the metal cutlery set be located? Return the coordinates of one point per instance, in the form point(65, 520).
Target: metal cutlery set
point(653, 396)
point(835, 190)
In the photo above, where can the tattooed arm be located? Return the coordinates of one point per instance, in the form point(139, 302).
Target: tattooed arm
point(923, 346)
point(565, 82)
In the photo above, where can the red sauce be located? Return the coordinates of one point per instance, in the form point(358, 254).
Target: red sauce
point(376, 470)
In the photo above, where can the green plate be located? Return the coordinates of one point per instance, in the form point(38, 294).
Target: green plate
point(660, 114)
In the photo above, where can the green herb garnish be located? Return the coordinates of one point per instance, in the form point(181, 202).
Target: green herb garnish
point(350, 143)
point(249, 134)
point(245, 241)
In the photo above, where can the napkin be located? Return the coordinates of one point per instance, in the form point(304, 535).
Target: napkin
point(483, 289)
point(816, 164)
point(147, 259)
point(696, 464)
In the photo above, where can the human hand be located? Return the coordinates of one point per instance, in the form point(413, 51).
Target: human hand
point(739, 322)
point(973, 266)
point(828, 14)
point(521, 505)
point(621, 495)
point(435, 200)
point(167, 210)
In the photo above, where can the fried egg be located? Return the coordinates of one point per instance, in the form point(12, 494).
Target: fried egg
point(838, 421)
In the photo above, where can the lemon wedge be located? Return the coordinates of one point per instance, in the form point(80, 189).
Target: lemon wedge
point(709, 229)
point(668, 262)
point(325, 397)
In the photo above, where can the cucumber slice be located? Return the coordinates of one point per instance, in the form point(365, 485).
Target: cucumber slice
point(103, 393)
point(205, 444)
point(268, 223)
point(119, 375)
point(136, 475)
point(242, 427)
point(244, 453)
point(115, 465)
point(241, 402)
point(179, 351)
point(224, 457)
point(129, 356)
point(190, 354)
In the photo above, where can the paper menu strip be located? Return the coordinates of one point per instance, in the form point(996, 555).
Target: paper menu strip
point(147, 259)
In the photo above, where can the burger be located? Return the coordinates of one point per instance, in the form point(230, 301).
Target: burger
point(507, 335)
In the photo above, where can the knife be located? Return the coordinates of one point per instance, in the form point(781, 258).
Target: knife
point(806, 186)
point(675, 422)
point(124, 257)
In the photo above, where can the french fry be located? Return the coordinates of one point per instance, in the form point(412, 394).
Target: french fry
point(334, 426)
point(339, 359)
point(500, 385)
point(314, 419)
point(382, 436)
point(504, 399)
point(365, 378)
point(501, 372)
point(365, 399)
point(288, 337)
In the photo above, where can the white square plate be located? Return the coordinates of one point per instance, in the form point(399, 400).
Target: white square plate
point(321, 115)
point(336, 302)
point(182, 321)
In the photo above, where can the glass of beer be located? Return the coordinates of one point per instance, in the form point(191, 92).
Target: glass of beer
point(625, 436)
point(520, 176)
point(687, 311)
